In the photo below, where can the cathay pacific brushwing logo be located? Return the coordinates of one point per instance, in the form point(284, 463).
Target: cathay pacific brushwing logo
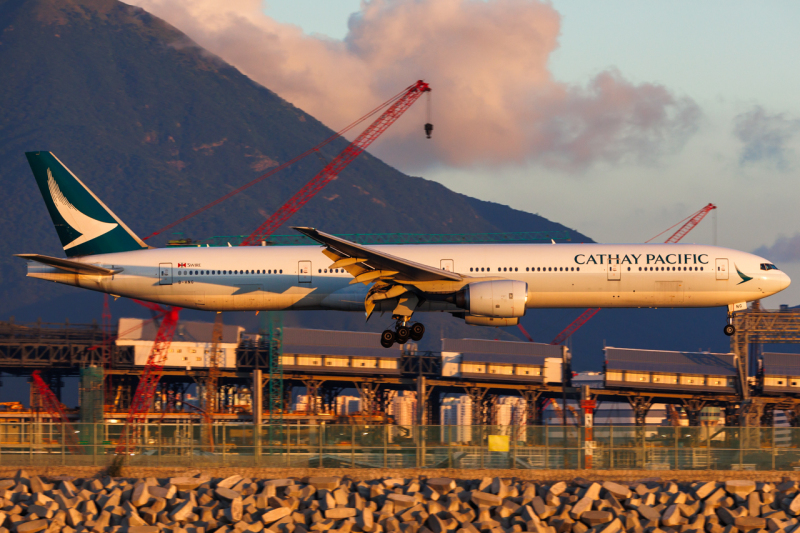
point(743, 276)
point(88, 227)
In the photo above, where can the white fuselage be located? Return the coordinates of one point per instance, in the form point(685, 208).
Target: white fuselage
point(558, 275)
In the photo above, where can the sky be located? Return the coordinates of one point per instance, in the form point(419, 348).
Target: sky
point(616, 118)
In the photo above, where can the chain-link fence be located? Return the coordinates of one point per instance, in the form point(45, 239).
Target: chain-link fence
point(378, 446)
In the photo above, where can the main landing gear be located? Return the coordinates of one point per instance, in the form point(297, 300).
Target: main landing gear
point(729, 329)
point(402, 332)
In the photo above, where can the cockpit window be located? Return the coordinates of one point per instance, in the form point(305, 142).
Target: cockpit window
point(768, 266)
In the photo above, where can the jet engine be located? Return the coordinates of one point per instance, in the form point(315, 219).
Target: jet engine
point(499, 298)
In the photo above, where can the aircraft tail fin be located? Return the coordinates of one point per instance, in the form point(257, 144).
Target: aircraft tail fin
point(84, 224)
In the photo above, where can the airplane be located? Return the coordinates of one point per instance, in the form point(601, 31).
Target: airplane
point(483, 284)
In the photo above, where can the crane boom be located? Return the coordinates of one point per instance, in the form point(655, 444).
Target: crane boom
point(53, 407)
point(151, 374)
point(338, 164)
point(693, 221)
point(690, 225)
point(575, 325)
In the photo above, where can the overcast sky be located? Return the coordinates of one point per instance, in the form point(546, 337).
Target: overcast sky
point(616, 118)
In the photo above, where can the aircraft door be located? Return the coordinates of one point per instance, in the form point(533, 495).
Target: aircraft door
point(304, 271)
point(447, 264)
point(722, 268)
point(614, 273)
point(165, 273)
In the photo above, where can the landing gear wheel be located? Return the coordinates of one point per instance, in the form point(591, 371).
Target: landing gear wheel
point(388, 337)
point(402, 334)
point(729, 330)
point(417, 331)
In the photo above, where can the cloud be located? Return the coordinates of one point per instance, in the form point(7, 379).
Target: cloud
point(765, 136)
point(494, 100)
point(785, 249)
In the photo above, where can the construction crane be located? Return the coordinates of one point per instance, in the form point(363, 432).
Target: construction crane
point(689, 225)
point(338, 164)
point(315, 150)
point(56, 412)
point(148, 381)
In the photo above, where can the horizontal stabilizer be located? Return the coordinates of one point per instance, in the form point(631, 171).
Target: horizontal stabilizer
point(71, 266)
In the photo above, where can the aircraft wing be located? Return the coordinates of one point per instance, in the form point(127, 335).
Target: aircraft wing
point(71, 266)
point(367, 264)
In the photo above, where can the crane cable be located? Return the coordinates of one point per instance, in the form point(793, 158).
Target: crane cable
point(308, 152)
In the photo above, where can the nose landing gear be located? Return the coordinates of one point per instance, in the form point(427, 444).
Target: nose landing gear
point(402, 332)
point(729, 329)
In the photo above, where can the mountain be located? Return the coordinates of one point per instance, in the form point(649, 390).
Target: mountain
point(157, 127)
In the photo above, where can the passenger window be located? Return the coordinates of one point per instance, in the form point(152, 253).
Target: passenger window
point(319, 271)
point(526, 269)
point(578, 269)
point(629, 269)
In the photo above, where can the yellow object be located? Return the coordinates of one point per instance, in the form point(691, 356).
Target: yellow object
point(498, 443)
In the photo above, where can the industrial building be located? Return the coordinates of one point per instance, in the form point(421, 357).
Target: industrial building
point(469, 382)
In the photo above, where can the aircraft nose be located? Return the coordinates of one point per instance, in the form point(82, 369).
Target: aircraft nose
point(785, 280)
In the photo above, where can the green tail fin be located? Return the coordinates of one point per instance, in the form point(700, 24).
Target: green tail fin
point(84, 224)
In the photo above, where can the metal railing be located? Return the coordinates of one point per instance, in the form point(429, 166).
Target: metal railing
point(382, 446)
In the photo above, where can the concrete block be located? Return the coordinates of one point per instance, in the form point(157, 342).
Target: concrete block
point(595, 518)
point(185, 483)
point(33, 526)
point(401, 501)
point(746, 523)
point(340, 513)
point(327, 483)
point(229, 482)
point(619, 491)
point(740, 487)
point(583, 505)
point(672, 517)
point(442, 485)
point(227, 494)
point(593, 491)
point(484, 498)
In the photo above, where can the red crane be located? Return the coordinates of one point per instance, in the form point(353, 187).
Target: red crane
point(271, 172)
point(338, 164)
point(691, 223)
point(151, 374)
point(56, 412)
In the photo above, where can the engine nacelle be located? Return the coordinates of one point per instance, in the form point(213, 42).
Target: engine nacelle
point(490, 321)
point(499, 298)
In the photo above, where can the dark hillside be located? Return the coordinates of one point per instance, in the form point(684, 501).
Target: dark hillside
point(157, 127)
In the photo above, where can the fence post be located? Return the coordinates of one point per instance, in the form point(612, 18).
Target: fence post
point(352, 445)
point(514, 447)
point(773, 446)
point(611, 446)
point(191, 442)
point(481, 443)
point(64, 451)
point(288, 429)
point(677, 433)
point(386, 444)
point(546, 446)
point(321, 432)
point(741, 446)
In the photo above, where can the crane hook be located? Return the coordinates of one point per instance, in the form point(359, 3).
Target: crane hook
point(428, 129)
